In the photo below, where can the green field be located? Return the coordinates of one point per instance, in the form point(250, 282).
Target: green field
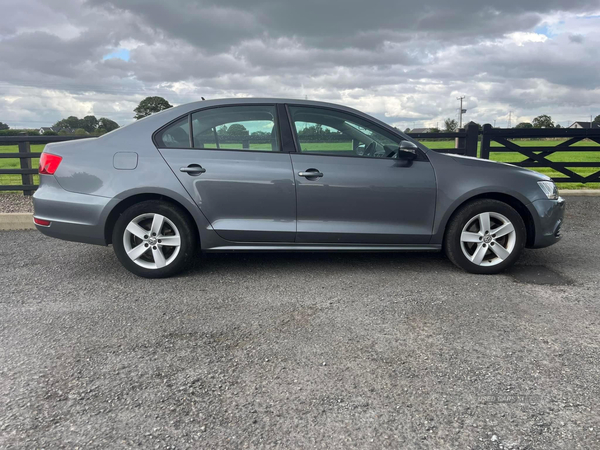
point(571, 156)
point(10, 163)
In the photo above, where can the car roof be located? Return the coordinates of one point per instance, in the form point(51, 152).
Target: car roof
point(150, 124)
point(260, 101)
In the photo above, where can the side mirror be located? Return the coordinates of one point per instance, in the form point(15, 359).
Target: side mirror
point(407, 151)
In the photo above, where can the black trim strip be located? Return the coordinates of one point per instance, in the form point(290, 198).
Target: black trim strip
point(191, 131)
point(285, 130)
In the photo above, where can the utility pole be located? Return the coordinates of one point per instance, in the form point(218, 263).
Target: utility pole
point(494, 123)
point(509, 125)
point(461, 111)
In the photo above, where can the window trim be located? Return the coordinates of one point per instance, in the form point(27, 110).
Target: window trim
point(189, 114)
point(421, 156)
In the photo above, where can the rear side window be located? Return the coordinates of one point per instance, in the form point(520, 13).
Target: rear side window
point(176, 135)
point(236, 128)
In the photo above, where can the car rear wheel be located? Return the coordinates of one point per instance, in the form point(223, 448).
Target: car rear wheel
point(485, 236)
point(154, 239)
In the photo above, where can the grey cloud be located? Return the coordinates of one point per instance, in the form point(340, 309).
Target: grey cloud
point(576, 38)
point(215, 26)
point(400, 60)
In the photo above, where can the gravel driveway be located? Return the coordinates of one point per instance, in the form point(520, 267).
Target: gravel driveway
point(301, 350)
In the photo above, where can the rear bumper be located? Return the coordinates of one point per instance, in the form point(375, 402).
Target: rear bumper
point(74, 217)
point(548, 218)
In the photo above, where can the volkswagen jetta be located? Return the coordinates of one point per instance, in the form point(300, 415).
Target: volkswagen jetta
point(285, 175)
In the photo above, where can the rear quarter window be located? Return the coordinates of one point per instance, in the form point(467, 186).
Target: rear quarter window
point(176, 135)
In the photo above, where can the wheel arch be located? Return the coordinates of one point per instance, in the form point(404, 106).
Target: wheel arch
point(131, 200)
point(514, 202)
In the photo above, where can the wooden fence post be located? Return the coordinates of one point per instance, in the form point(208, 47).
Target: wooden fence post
point(459, 142)
point(26, 178)
point(472, 139)
point(485, 141)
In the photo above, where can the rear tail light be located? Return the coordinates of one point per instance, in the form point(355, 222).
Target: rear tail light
point(42, 222)
point(49, 163)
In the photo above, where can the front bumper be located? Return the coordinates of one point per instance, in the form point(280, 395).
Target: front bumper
point(74, 217)
point(548, 218)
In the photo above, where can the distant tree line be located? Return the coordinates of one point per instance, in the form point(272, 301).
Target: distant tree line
point(151, 105)
point(541, 121)
point(87, 125)
point(71, 125)
point(19, 132)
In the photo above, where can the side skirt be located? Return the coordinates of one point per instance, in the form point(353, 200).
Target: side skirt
point(324, 248)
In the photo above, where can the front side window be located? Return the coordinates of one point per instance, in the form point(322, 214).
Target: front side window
point(236, 128)
point(331, 132)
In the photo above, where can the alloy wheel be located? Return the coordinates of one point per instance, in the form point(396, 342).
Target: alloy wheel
point(488, 239)
point(152, 241)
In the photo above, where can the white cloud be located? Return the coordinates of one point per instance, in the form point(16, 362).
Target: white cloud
point(521, 38)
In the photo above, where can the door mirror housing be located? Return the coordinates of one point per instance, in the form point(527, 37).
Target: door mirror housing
point(407, 151)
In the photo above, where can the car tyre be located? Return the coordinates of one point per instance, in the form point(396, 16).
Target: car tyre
point(154, 239)
point(485, 236)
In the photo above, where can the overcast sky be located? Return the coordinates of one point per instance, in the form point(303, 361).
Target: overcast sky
point(402, 61)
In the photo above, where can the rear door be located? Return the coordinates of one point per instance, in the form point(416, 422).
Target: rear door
point(351, 187)
point(229, 159)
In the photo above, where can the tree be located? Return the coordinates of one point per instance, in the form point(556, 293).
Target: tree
point(4, 126)
point(89, 123)
point(106, 125)
point(434, 130)
point(237, 129)
point(50, 133)
point(596, 120)
point(524, 125)
point(543, 121)
point(450, 125)
point(80, 132)
point(71, 122)
point(150, 105)
point(407, 130)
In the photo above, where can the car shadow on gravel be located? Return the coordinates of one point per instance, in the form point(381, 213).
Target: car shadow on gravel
point(317, 261)
point(532, 272)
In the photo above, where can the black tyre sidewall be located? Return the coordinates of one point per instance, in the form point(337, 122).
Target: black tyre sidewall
point(452, 245)
point(189, 238)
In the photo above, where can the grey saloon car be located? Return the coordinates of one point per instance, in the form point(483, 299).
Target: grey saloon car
point(286, 175)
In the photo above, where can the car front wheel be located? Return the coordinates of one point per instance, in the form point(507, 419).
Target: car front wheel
point(485, 236)
point(154, 239)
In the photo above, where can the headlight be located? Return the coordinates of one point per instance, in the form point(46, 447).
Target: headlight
point(549, 189)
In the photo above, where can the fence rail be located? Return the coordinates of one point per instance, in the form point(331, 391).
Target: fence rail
point(537, 157)
point(465, 143)
point(25, 155)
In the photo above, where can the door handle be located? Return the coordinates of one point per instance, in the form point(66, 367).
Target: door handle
point(310, 173)
point(193, 169)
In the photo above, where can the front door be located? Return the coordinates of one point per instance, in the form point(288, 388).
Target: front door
point(350, 186)
point(234, 169)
